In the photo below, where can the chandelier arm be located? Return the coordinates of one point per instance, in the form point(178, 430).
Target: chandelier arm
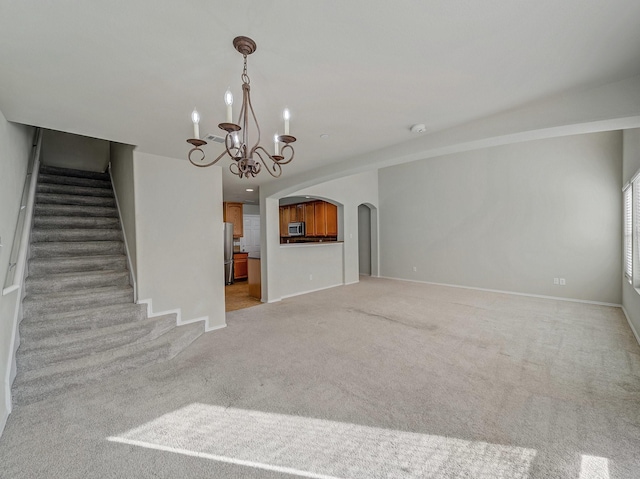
point(255, 120)
point(289, 149)
point(203, 165)
point(276, 164)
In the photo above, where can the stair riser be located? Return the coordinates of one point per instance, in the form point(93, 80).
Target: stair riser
point(58, 199)
point(44, 388)
point(71, 210)
point(36, 357)
point(73, 181)
point(54, 170)
point(62, 222)
point(44, 285)
point(39, 327)
point(97, 248)
point(36, 385)
point(61, 304)
point(77, 265)
point(73, 190)
point(65, 235)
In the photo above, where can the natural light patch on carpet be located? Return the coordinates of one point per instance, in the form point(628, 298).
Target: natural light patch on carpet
point(322, 449)
point(594, 467)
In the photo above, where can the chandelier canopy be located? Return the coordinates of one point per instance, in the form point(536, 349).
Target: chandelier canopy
point(247, 159)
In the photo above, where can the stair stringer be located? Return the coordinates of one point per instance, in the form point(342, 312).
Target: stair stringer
point(132, 273)
point(178, 313)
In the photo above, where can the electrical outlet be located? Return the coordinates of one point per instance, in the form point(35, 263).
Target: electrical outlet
point(562, 282)
point(415, 268)
point(310, 277)
point(556, 280)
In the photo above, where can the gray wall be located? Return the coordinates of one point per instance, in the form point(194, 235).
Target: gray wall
point(509, 218)
point(631, 164)
point(15, 148)
point(66, 150)
point(123, 184)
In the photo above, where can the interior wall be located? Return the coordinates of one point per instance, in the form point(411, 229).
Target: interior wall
point(297, 269)
point(631, 165)
point(509, 218)
point(66, 150)
point(15, 148)
point(122, 174)
point(179, 237)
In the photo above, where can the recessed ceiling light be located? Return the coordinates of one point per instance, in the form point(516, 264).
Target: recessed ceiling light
point(419, 128)
point(249, 189)
point(324, 136)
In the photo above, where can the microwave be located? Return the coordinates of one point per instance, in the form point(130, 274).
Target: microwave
point(296, 229)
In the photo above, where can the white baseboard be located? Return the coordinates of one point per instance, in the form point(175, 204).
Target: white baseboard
point(557, 298)
point(3, 420)
point(633, 329)
point(178, 312)
point(306, 292)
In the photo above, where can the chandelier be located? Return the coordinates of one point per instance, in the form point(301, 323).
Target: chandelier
point(247, 159)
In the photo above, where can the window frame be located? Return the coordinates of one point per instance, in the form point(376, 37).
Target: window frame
point(628, 232)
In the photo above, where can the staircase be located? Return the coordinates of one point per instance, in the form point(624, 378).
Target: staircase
point(80, 323)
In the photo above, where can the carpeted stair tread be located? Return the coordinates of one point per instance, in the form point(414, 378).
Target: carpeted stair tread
point(63, 222)
point(75, 210)
point(43, 353)
point(38, 384)
point(52, 283)
point(73, 181)
point(59, 264)
point(55, 170)
point(64, 199)
point(41, 235)
point(73, 190)
point(76, 248)
point(40, 326)
point(76, 300)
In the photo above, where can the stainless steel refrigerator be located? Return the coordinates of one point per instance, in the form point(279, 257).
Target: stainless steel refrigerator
point(228, 253)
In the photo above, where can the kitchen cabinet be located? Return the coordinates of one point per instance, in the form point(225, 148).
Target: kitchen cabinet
point(309, 219)
point(320, 218)
point(240, 270)
point(284, 221)
point(232, 213)
point(331, 219)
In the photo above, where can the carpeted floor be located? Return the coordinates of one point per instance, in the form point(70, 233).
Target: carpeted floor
point(377, 379)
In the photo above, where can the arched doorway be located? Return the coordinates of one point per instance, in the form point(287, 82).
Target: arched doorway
point(367, 240)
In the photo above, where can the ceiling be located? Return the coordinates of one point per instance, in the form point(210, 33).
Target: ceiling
point(360, 72)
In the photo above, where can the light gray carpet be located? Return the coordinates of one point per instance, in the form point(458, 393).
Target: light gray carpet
point(378, 379)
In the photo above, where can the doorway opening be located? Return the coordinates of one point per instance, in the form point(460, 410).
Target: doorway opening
point(367, 240)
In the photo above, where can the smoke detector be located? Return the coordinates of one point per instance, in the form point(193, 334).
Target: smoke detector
point(419, 128)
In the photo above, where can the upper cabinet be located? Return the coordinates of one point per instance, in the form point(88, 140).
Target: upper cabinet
point(232, 213)
point(320, 218)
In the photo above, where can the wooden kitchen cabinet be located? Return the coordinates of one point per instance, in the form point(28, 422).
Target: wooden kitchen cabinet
point(232, 213)
point(320, 218)
point(331, 219)
point(309, 219)
point(284, 221)
point(240, 267)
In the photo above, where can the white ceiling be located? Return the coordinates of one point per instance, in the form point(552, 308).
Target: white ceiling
point(362, 72)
